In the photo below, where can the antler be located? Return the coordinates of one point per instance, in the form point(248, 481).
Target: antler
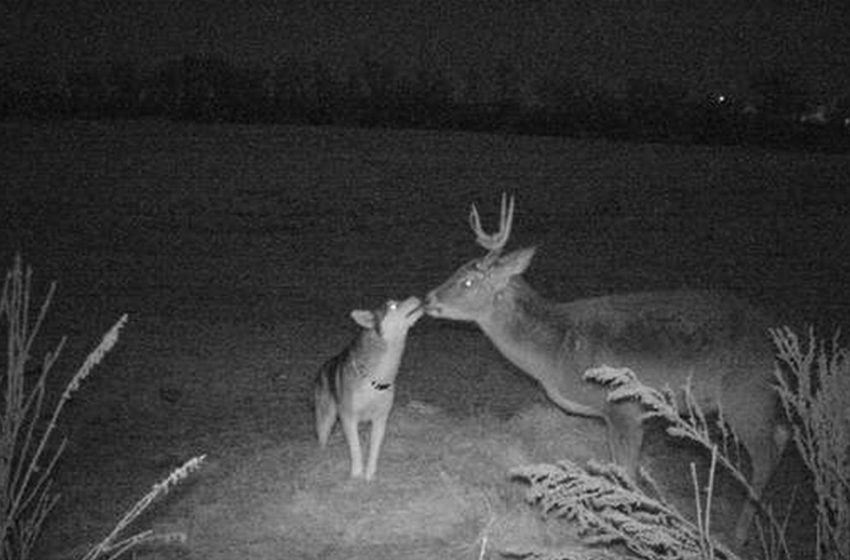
point(496, 241)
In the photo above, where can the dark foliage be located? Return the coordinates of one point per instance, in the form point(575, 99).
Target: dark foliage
point(375, 94)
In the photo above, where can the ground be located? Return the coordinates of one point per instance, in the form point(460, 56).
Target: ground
point(238, 252)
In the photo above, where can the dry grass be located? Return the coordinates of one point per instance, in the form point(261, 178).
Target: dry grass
point(814, 384)
point(28, 456)
point(114, 545)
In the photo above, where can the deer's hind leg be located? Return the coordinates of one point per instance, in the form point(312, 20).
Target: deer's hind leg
point(765, 441)
point(625, 435)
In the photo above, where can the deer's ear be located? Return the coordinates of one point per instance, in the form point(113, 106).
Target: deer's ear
point(365, 319)
point(516, 262)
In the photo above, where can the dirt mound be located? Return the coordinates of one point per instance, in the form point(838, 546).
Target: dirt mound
point(442, 491)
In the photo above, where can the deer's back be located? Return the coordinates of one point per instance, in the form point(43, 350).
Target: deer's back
point(718, 340)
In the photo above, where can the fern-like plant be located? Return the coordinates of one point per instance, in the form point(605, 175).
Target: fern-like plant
point(610, 510)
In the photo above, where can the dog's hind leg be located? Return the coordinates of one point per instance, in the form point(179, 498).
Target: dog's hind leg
point(326, 414)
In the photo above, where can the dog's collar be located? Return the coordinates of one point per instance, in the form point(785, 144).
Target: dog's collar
point(376, 384)
point(380, 386)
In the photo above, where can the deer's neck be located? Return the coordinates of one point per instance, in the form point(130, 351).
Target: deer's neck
point(523, 325)
point(539, 337)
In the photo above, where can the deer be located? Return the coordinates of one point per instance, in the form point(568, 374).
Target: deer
point(716, 343)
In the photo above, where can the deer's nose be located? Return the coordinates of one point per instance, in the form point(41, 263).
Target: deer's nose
point(432, 306)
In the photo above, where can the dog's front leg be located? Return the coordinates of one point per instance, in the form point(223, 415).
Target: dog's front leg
point(349, 428)
point(379, 426)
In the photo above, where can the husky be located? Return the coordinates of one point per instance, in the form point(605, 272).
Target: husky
point(358, 384)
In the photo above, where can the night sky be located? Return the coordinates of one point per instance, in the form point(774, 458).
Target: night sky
point(702, 44)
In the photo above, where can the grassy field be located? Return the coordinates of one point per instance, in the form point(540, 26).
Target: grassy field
point(239, 251)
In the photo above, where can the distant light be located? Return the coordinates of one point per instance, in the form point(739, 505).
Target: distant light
point(721, 98)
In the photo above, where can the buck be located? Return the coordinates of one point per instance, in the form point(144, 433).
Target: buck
point(717, 343)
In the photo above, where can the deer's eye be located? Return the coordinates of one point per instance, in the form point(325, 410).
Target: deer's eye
point(468, 282)
point(392, 306)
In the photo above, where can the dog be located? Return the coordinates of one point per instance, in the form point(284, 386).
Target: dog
point(358, 384)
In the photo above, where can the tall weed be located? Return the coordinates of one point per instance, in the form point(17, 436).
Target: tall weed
point(28, 457)
point(814, 385)
point(27, 454)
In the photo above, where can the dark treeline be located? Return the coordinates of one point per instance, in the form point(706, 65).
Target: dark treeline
point(211, 89)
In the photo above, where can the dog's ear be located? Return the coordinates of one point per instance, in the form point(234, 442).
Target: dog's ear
point(365, 319)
